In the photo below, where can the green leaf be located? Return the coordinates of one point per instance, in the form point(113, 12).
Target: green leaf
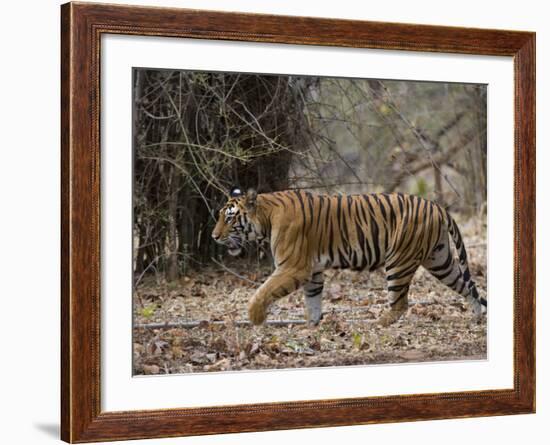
point(421, 187)
point(148, 311)
point(357, 340)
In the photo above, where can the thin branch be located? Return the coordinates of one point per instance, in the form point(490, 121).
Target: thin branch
point(232, 272)
point(196, 324)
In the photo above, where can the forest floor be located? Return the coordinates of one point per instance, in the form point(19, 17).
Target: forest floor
point(212, 304)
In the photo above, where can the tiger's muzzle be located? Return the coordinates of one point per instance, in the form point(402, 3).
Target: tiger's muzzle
point(232, 242)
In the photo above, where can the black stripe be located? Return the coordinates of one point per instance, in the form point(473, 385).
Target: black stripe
point(343, 260)
point(282, 201)
point(329, 201)
point(403, 273)
point(354, 260)
point(397, 288)
point(401, 295)
point(400, 202)
point(443, 266)
point(360, 235)
point(321, 201)
point(299, 196)
point(284, 261)
point(330, 242)
point(310, 205)
point(458, 238)
point(345, 234)
point(463, 257)
point(314, 292)
point(393, 217)
point(377, 258)
point(338, 206)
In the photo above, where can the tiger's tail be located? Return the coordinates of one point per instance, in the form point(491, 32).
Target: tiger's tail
point(479, 303)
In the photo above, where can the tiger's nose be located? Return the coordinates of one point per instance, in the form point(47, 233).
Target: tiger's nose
point(215, 236)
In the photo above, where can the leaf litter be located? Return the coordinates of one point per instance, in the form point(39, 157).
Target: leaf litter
point(438, 326)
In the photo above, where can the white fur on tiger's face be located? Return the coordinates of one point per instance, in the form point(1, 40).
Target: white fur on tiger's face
point(234, 228)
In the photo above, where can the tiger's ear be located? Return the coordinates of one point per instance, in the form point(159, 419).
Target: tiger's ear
point(250, 201)
point(235, 192)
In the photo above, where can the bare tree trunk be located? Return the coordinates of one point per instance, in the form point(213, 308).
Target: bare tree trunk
point(481, 122)
point(172, 269)
point(140, 251)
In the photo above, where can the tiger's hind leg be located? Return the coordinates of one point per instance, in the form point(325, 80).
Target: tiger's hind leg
point(446, 268)
point(313, 292)
point(399, 278)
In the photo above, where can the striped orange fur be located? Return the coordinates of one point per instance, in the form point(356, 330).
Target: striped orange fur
point(310, 232)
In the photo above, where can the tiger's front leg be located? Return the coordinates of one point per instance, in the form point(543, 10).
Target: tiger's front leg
point(313, 293)
point(279, 284)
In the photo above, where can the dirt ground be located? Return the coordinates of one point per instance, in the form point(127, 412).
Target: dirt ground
point(212, 305)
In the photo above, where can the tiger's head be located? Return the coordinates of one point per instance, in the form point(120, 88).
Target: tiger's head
point(235, 227)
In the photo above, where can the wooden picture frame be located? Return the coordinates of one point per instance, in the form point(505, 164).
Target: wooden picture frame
point(82, 26)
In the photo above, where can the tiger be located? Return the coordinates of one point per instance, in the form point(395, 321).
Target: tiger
point(309, 233)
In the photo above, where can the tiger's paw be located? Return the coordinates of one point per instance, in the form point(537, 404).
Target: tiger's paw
point(256, 312)
point(314, 321)
point(385, 321)
point(313, 316)
point(389, 318)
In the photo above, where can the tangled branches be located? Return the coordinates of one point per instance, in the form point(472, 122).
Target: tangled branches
point(197, 134)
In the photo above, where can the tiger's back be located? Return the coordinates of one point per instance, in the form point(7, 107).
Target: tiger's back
point(350, 231)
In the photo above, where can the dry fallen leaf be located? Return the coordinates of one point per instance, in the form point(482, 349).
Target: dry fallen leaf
point(151, 369)
point(430, 331)
point(177, 353)
point(221, 365)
